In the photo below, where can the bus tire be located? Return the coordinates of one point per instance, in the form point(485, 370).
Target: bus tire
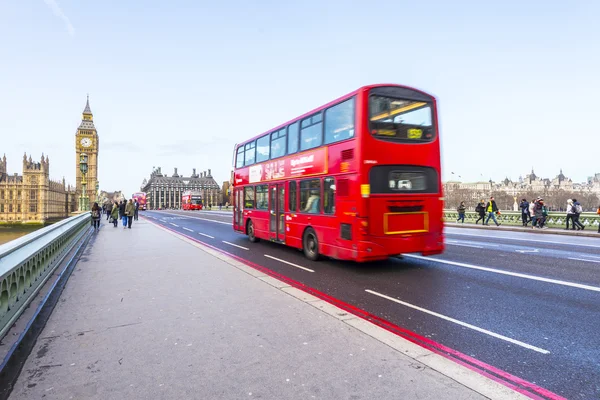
point(250, 232)
point(310, 244)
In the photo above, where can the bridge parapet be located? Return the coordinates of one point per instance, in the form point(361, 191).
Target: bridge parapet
point(554, 220)
point(27, 262)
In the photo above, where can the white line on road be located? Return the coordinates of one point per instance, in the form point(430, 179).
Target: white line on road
point(289, 263)
point(502, 272)
point(464, 245)
point(583, 259)
point(174, 224)
point(524, 240)
point(466, 325)
point(187, 229)
point(204, 234)
point(232, 244)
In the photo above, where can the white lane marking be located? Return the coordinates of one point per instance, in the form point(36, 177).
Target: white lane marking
point(187, 229)
point(464, 245)
point(174, 224)
point(583, 259)
point(204, 234)
point(525, 240)
point(204, 219)
point(289, 263)
point(527, 251)
point(499, 271)
point(232, 244)
point(466, 325)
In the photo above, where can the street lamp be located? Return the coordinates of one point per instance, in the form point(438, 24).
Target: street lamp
point(83, 167)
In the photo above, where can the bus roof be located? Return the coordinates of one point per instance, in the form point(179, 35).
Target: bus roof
point(331, 103)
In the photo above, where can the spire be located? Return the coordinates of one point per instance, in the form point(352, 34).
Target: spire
point(87, 109)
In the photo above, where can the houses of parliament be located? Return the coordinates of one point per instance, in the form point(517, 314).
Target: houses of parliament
point(34, 198)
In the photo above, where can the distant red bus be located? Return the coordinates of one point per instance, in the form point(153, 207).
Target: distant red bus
point(356, 179)
point(141, 199)
point(191, 200)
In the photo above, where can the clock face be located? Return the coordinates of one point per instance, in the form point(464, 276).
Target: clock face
point(86, 142)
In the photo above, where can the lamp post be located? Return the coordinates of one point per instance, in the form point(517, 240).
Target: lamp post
point(83, 198)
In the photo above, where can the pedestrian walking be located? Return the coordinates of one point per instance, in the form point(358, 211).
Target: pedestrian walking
point(480, 209)
point(598, 212)
point(129, 212)
point(107, 210)
point(524, 206)
point(96, 216)
point(570, 215)
point(577, 210)
point(122, 216)
point(114, 214)
point(136, 210)
point(461, 212)
point(492, 209)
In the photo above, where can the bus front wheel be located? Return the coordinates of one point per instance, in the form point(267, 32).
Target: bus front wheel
point(310, 244)
point(250, 231)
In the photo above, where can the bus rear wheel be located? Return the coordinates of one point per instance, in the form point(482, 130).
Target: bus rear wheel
point(310, 244)
point(250, 231)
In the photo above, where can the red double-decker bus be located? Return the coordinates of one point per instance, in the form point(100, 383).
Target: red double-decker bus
point(191, 200)
point(356, 179)
point(141, 199)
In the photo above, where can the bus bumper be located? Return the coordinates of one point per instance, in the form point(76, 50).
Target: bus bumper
point(382, 248)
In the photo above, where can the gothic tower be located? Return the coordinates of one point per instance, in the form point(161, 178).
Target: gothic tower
point(86, 145)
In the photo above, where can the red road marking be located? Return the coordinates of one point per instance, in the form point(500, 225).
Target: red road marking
point(511, 381)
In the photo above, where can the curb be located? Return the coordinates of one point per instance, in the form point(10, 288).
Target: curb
point(510, 228)
point(479, 381)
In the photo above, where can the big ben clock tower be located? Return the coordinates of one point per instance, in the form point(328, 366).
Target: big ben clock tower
point(86, 151)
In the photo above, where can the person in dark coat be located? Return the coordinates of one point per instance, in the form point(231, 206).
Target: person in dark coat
point(480, 209)
point(122, 216)
point(524, 206)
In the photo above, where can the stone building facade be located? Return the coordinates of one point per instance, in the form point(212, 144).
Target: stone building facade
point(555, 191)
point(33, 197)
point(164, 191)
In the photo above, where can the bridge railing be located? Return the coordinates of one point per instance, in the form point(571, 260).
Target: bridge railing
point(554, 220)
point(27, 262)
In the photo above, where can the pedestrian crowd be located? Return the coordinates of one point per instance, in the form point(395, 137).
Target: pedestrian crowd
point(125, 211)
point(533, 212)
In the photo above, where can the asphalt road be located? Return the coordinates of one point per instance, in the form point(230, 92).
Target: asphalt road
point(525, 303)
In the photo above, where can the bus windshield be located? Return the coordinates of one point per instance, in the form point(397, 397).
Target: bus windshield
point(196, 200)
point(401, 120)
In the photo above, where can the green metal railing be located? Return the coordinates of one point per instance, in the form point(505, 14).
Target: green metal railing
point(554, 220)
point(27, 262)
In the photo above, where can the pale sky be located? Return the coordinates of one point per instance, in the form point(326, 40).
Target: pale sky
point(178, 83)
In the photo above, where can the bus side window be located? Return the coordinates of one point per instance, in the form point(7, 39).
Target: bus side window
point(292, 198)
point(329, 195)
point(311, 132)
point(262, 199)
point(310, 196)
point(249, 197)
point(239, 160)
point(293, 138)
point(339, 122)
point(250, 153)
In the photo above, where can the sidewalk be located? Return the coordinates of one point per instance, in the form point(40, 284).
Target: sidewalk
point(147, 315)
point(587, 232)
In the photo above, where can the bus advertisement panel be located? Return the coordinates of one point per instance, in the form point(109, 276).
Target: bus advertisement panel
point(141, 199)
point(191, 200)
point(357, 179)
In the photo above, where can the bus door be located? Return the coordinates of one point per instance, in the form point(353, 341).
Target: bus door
point(238, 209)
point(276, 212)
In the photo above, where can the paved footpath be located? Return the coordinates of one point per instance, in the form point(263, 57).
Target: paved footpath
point(148, 315)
